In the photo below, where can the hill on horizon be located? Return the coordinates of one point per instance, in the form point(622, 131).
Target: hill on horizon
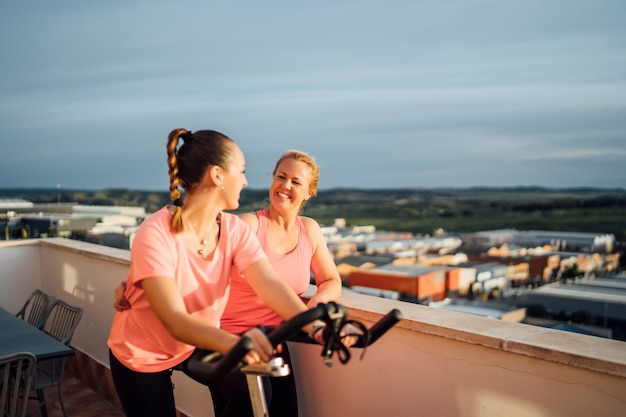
point(415, 210)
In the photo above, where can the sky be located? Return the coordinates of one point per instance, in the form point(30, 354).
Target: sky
point(384, 94)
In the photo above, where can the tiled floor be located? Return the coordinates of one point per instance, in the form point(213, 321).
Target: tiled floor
point(79, 399)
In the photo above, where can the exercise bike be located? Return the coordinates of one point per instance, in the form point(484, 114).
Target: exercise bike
point(209, 367)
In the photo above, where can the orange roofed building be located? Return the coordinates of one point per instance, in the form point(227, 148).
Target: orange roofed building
point(413, 282)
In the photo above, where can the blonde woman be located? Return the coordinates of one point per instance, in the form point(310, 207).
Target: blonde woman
point(296, 248)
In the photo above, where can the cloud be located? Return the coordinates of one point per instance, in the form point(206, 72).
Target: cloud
point(418, 94)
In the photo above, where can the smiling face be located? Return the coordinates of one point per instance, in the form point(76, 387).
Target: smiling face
point(290, 185)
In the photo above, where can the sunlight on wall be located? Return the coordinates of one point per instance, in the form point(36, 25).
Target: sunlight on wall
point(69, 277)
point(471, 403)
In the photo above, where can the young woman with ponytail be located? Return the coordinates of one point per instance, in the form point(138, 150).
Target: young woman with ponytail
point(178, 283)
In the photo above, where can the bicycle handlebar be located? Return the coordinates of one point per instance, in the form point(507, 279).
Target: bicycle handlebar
point(293, 325)
point(206, 367)
point(209, 367)
point(381, 326)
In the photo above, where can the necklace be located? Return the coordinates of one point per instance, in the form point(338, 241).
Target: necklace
point(204, 241)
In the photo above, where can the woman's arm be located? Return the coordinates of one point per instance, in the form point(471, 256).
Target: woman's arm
point(323, 266)
point(274, 292)
point(283, 300)
point(167, 303)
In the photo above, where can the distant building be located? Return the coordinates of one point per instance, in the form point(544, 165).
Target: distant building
point(54, 226)
point(376, 292)
point(348, 264)
point(570, 241)
point(14, 204)
point(107, 225)
point(601, 300)
point(542, 266)
point(558, 240)
point(413, 282)
point(489, 276)
point(477, 308)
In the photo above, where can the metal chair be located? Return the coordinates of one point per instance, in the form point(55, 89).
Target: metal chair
point(62, 321)
point(36, 308)
point(16, 375)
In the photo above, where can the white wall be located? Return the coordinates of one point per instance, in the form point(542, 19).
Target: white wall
point(20, 273)
point(84, 275)
point(433, 363)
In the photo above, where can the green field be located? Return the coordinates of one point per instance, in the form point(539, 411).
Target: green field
point(468, 210)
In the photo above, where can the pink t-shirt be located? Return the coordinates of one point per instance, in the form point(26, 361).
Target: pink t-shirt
point(245, 309)
point(137, 337)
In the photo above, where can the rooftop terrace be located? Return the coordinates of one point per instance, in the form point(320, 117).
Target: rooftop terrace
point(433, 363)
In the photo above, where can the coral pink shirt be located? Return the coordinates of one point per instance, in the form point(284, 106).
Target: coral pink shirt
point(245, 309)
point(137, 337)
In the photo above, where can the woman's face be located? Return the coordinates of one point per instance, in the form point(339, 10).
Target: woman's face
point(234, 178)
point(290, 185)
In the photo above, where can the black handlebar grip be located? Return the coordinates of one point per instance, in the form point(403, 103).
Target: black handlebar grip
point(289, 327)
point(381, 326)
point(198, 368)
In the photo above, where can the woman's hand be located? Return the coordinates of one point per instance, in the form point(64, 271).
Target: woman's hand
point(262, 349)
point(349, 334)
point(120, 303)
point(317, 299)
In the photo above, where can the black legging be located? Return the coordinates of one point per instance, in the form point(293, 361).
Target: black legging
point(143, 394)
point(151, 394)
point(231, 397)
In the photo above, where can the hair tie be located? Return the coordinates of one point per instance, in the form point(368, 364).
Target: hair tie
point(178, 202)
point(187, 136)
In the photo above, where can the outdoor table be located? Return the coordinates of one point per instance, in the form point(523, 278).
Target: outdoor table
point(17, 335)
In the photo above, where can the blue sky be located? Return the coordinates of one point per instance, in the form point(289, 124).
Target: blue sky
point(385, 94)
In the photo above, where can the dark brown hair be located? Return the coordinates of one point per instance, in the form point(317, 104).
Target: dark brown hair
point(189, 162)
